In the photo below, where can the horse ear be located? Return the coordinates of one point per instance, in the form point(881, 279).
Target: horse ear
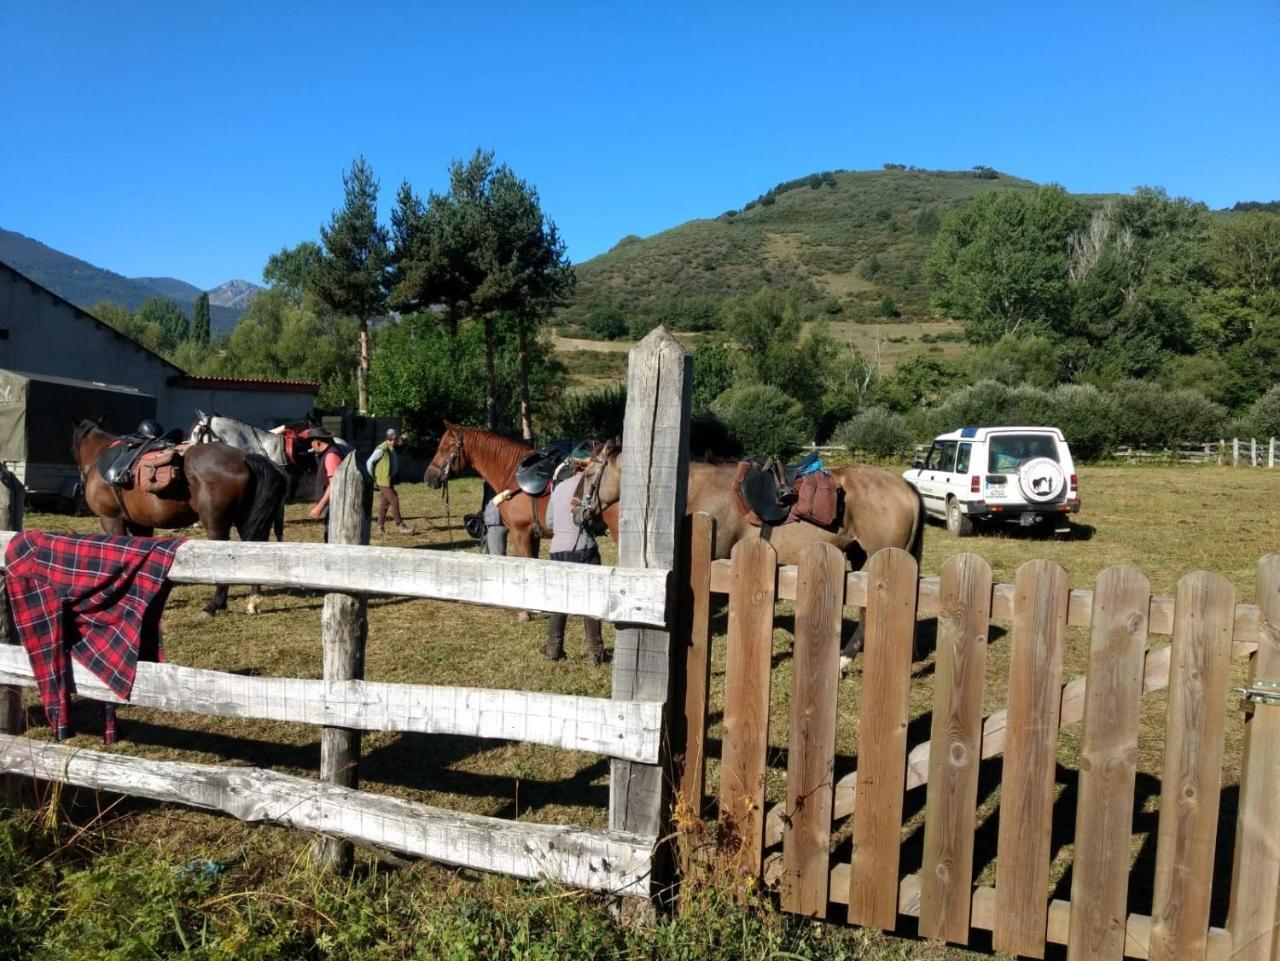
point(449, 426)
point(101, 418)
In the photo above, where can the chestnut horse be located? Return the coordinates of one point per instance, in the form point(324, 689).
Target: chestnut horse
point(495, 459)
point(223, 488)
point(880, 510)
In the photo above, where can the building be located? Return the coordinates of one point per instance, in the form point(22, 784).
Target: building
point(43, 334)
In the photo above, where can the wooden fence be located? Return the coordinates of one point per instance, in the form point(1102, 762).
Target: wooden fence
point(792, 843)
point(1238, 452)
point(626, 858)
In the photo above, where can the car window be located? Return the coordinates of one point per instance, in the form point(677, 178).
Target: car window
point(1009, 451)
point(962, 458)
point(943, 456)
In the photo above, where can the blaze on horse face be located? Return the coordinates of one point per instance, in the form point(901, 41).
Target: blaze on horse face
point(450, 458)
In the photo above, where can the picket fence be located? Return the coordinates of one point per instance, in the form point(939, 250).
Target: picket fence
point(791, 844)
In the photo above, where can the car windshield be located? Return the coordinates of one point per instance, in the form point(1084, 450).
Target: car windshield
point(1009, 451)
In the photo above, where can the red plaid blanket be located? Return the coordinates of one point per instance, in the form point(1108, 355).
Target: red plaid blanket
point(95, 598)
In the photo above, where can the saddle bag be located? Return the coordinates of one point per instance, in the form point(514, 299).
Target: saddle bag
point(819, 500)
point(160, 471)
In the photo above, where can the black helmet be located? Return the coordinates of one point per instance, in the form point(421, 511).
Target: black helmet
point(474, 523)
point(150, 429)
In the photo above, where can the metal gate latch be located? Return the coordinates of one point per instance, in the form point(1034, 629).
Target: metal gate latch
point(1262, 692)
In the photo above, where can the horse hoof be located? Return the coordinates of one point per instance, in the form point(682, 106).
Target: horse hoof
point(522, 617)
point(252, 608)
point(846, 663)
point(207, 615)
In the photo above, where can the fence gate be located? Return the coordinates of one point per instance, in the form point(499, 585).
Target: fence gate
point(832, 848)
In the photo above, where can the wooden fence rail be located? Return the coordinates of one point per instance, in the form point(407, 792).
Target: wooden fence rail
point(629, 728)
point(1207, 628)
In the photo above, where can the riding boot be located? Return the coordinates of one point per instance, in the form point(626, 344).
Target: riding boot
point(595, 642)
point(553, 650)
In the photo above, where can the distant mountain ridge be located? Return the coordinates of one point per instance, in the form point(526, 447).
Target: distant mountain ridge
point(84, 284)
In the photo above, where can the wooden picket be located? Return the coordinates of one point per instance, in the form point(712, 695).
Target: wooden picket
point(1207, 627)
point(882, 738)
point(811, 759)
point(1108, 765)
point(746, 714)
point(964, 612)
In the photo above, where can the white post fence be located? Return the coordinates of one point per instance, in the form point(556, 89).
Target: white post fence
point(629, 727)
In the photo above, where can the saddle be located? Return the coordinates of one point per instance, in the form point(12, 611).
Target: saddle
point(769, 492)
point(541, 468)
point(151, 464)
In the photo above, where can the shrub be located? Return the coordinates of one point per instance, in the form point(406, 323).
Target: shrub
point(605, 323)
point(985, 403)
point(712, 374)
point(888, 308)
point(590, 413)
point(640, 326)
point(877, 432)
point(1149, 415)
point(1087, 418)
point(763, 419)
point(1263, 418)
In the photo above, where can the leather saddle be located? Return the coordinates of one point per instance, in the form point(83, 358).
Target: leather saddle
point(155, 462)
point(539, 469)
point(766, 489)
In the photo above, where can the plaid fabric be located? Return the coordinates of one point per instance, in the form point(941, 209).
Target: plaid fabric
point(95, 598)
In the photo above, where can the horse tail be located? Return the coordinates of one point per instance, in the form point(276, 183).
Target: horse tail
point(917, 530)
point(266, 504)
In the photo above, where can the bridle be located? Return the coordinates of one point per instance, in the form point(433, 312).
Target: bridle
point(587, 511)
point(449, 461)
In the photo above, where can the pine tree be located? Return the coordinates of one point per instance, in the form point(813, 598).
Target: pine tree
point(352, 273)
point(200, 326)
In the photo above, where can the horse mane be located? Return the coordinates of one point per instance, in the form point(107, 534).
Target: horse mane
point(494, 448)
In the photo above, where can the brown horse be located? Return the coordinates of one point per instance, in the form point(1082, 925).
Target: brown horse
point(495, 459)
point(223, 489)
point(880, 510)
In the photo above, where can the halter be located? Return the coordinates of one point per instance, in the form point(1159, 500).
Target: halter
point(588, 507)
point(449, 461)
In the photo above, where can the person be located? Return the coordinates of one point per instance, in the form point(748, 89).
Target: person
point(328, 459)
point(495, 533)
point(382, 468)
point(569, 542)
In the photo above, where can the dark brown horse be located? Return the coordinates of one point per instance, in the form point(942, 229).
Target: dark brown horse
point(223, 489)
point(495, 459)
point(880, 510)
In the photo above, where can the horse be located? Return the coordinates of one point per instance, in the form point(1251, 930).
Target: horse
point(223, 488)
point(279, 445)
point(495, 459)
point(880, 510)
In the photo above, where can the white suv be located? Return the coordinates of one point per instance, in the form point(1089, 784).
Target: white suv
point(1022, 475)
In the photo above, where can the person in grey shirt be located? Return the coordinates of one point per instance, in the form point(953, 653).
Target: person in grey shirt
point(569, 542)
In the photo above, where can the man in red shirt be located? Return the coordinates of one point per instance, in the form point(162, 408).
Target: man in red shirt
point(328, 459)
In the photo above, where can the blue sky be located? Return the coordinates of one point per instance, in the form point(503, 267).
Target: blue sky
point(193, 140)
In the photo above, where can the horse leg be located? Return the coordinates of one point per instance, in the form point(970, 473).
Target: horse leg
point(217, 532)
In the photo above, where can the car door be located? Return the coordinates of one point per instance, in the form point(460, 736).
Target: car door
point(934, 477)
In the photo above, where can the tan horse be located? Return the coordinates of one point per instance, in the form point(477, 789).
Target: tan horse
point(880, 510)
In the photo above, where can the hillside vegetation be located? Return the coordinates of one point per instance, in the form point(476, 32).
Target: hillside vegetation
point(848, 238)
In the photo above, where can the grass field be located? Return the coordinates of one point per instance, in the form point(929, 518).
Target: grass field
point(1166, 521)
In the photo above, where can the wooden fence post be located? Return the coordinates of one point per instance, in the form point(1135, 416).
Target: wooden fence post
point(1235, 452)
point(1271, 453)
point(1253, 452)
point(695, 677)
point(655, 480)
point(1255, 877)
point(344, 625)
point(12, 495)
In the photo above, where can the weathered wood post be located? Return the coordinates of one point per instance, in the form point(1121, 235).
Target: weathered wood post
point(1254, 914)
point(344, 626)
point(1253, 452)
point(1271, 453)
point(1235, 452)
point(655, 477)
point(12, 497)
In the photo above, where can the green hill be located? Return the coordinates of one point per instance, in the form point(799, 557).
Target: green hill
point(851, 238)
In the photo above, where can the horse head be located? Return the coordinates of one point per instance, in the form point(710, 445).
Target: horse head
point(600, 485)
point(450, 457)
point(87, 439)
point(202, 430)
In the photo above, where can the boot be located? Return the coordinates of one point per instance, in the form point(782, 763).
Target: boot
point(595, 642)
point(553, 650)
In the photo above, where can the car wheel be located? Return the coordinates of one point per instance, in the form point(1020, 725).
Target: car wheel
point(958, 523)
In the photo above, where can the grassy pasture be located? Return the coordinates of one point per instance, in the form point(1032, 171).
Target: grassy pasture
point(1167, 521)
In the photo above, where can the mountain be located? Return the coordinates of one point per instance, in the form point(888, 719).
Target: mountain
point(234, 294)
point(84, 284)
point(849, 238)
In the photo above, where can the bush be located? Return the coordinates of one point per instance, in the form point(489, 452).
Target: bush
point(1088, 419)
point(640, 326)
point(605, 323)
point(763, 419)
point(1149, 415)
point(888, 308)
point(985, 404)
point(1263, 418)
point(876, 432)
point(597, 414)
point(712, 373)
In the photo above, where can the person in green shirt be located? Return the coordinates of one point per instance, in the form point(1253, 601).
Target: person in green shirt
point(382, 468)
